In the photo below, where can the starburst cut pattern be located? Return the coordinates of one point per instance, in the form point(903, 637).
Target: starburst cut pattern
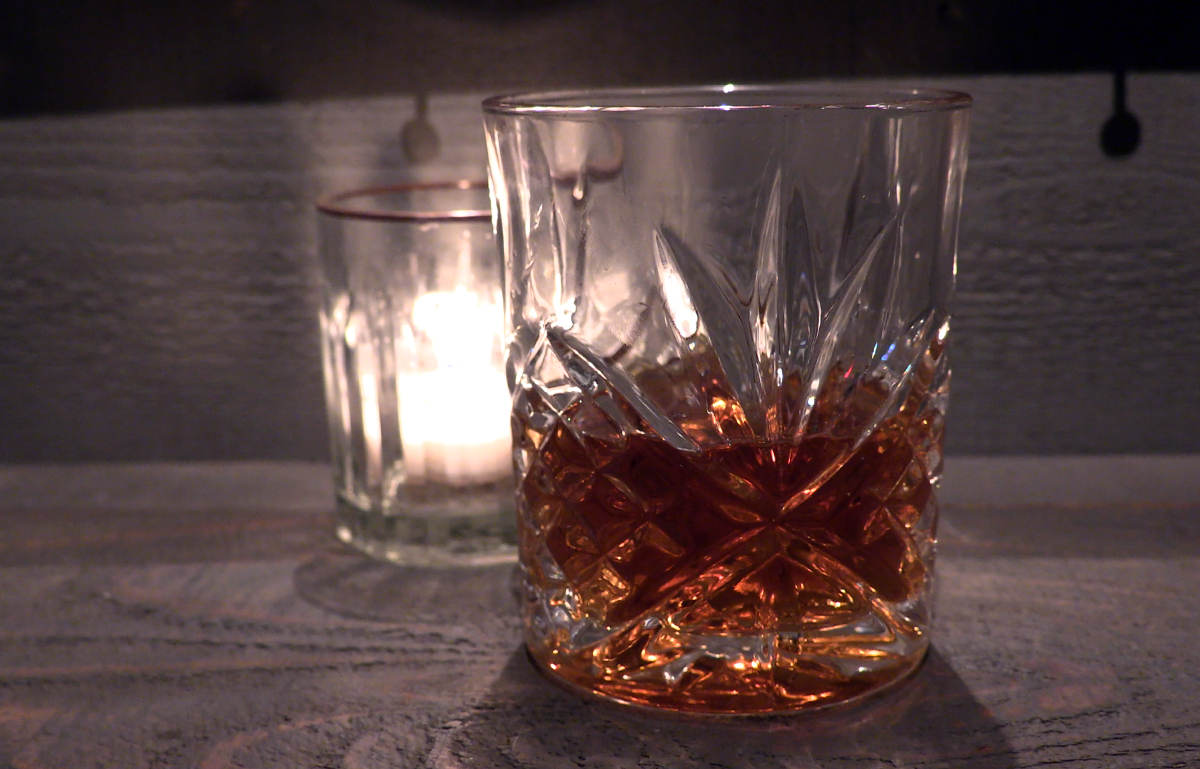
point(734, 511)
point(639, 555)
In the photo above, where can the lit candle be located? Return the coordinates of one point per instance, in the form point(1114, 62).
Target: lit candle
point(454, 420)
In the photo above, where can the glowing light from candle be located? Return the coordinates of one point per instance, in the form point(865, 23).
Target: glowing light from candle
point(454, 421)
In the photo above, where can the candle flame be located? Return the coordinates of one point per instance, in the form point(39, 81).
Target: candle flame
point(462, 328)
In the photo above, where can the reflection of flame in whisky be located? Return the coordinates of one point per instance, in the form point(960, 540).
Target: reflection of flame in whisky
point(749, 577)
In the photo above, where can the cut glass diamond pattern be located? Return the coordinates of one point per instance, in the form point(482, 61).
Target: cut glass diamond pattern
point(731, 380)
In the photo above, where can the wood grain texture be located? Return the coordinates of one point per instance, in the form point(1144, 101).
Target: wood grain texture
point(199, 637)
point(156, 272)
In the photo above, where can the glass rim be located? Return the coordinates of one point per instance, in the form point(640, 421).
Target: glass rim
point(727, 98)
point(335, 204)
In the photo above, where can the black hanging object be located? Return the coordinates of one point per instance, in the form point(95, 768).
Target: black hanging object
point(1121, 132)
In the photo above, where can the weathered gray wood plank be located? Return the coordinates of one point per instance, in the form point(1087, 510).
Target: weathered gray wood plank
point(198, 636)
point(156, 294)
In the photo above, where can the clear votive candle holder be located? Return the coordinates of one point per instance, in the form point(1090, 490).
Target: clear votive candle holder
point(411, 328)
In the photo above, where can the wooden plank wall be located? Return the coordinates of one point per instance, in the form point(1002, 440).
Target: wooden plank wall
point(156, 271)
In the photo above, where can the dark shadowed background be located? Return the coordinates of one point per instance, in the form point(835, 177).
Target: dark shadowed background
point(74, 55)
point(158, 161)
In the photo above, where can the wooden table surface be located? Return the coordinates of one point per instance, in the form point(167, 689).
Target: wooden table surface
point(197, 615)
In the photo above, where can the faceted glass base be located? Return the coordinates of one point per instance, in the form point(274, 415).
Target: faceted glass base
point(446, 527)
point(764, 692)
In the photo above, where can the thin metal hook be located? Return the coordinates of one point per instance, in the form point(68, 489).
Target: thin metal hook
point(1122, 132)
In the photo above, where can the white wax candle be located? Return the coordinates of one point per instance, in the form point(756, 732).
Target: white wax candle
point(454, 422)
point(454, 425)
